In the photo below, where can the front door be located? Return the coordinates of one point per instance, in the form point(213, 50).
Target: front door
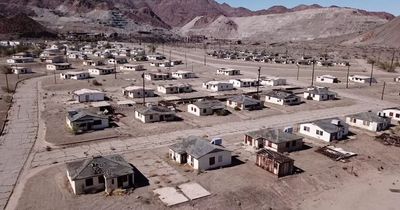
point(120, 181)
point(184, 158)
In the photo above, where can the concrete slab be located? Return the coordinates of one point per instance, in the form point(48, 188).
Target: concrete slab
point(170, 196)
point(193, 190)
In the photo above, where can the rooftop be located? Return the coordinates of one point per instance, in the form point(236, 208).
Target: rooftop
point(109, 166)
point(196, 147)
point(213, 104)
point(369, 116)
point(278, 157)
point(281, 94)
point(274, 135)
point(86, 91)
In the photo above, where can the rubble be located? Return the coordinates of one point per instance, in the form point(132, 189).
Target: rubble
point(335, 153)
point(388, 139)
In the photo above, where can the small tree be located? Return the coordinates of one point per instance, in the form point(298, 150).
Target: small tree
point(152, 48)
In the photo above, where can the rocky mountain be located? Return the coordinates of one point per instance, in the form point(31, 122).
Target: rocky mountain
point(22, 25)
point(386, 35)
point(300, 25)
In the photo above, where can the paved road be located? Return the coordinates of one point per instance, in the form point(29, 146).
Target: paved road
point(18, 138)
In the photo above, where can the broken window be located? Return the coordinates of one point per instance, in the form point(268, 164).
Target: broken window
point(306, 128)
point(89, 182)
point(101, 179)
point(212, 161)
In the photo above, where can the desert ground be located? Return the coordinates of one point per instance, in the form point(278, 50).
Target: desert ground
point(322, 183)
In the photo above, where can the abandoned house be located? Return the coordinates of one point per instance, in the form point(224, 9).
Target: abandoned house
point(158, 76)
point(243, 102)
point(88, 95)
point(200, 154)
point(273, 81)
point(58, 66)
point(326, 130)
point(241, 83)
point(362, 79)
point(154, 114)
point(137, 92)
point(175, 88)
point(183, 75)
point(101, 70)
point(218, 86)
point(393, 113)
point(75, 75)
point(205, 107)
point(82, 120)
point(100, 173)
point(281, 97)
point(274, 139)
point(20, 70)
point(228, 71)
point(131, 67)
point(327, 79)
point(371, 121)
point(319, 94)
point(275, 162)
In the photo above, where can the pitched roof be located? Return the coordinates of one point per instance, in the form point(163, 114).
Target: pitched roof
point(86, 91)
point(109, 166)
point(213, 104)
point(320, 91)
point(328, 125)
point(278, 157)
point(196, 147)
point(245, 100)
point(369, 116)
point(77, 115)
point(281, 94)
point(274, 135)
point(154, 110)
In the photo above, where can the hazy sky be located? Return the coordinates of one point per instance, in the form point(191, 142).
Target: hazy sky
point(391, 6)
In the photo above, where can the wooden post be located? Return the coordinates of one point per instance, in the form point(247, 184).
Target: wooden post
point(55, 78)
point(258, 83)
point(372, 73)
point(115, 70)
point(298, 72)
point(186, 59)
point(8, 87)
point(312, 75)
point(347, 78)
point(392, 61)
point(383, 90)
point(144, 95)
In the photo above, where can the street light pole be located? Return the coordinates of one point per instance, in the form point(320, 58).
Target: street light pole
point(348, 74)
point(258, 83)
point(312, 75)
point(372, 72)
point(298, 71)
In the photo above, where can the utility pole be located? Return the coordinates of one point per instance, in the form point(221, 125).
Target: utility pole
point(115, 70)
point(313, 71)
point(383, 90)
point(192, 66)
point(205, 54)
point(55, 78)
point(348, 74)
point(186, 59)
point(298, 71)
point(391, 63)
point(372, 72)
point(144, 91)
point(258, 83)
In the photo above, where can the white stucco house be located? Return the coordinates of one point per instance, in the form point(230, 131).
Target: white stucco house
point(319, 94)
point(131, 67)
point(228, 71)
point(327, 79)
point(205, 107)
point(362, 79)
point(88, 95)
point(200, 154)
point(175, 88)
point(241, 83)
point(273, 81)
point(20, 70)
point(153, 76)
point(100, 173)
point(393, 113)
point(101, 70)
point(58, 66)
point(243, 102)
point(370, 121)
point(218, 86)
point(154, 113)
point(282, 98)
point(183, 75)
point(83, 120)
point(326, 130)
point(137, 92)
point(75, 75)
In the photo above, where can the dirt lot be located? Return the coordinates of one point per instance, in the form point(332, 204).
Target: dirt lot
point(324, 182)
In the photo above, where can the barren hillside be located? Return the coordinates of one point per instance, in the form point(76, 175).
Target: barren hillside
point(386, 35)
point(301, 25)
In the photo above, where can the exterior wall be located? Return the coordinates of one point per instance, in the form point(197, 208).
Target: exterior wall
point(284, 147)
point(274, 167)
point(139, 93)
point(316, 97)
point(175, 156)
point(273, 82)
point(92, 97)
point(204, 164)
point(371, 126)
point(325, 80)
point(392, 113)
point(327, 137)
point(273, 100)
point(193, 109)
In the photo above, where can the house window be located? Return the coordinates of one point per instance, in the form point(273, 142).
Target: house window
point(212, 161)
point(204, 110)
point(97, 122)
point(306, 128)
point(101, 179)
point(354, 120)
point(219, 158)
point(397, 115)
point(151, 117)
point(287, 144)
point(321, 133)
point(89, 182)
point(391, 114)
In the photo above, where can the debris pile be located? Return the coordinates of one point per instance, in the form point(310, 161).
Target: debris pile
point(335, 153)
point(388, 139)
